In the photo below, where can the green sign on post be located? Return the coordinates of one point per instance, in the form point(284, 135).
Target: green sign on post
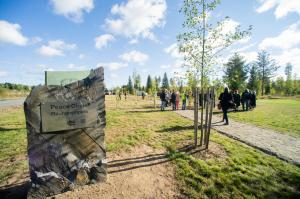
point(61, 78)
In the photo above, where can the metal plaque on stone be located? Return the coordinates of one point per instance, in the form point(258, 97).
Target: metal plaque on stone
point(59, 116)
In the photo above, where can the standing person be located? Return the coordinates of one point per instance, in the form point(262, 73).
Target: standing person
point(163, 100)
point(167, 98)
point(236, 99)
point(225, 100)
point(125, 95)
point(173, 100)
point(245, 100)
point(254, 99)
point(183, 98)
point(143, 95)
point(187, 96)
point(177, 99)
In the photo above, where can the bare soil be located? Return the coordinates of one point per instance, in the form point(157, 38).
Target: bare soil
point(141, 172)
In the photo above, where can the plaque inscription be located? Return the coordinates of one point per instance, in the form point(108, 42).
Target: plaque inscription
point(58, 116)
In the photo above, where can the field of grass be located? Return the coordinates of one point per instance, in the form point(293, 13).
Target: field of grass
point(241, 172)
point(278, 114)
point(11, 94)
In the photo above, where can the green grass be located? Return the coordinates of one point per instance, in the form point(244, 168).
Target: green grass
point(13, 143)
point(241, 172)
point(282, 115)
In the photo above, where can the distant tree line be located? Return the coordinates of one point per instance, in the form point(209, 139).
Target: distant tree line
point(153, 84)
point(259, 76)
point(18, 87)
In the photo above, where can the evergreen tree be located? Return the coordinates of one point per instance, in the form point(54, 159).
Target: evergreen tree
point(149, 84)
point(130, 86)
point(137, 81)
point(289, 82)
point(172, 84)
point(165, 82)
point(236, 72)
point(253, 79)
point(157, 82)
point(267, 68)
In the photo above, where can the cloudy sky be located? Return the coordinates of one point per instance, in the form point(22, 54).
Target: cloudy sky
point(129, 35)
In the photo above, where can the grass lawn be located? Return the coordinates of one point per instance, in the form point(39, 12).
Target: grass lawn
point(240, 172)
point(278, 114)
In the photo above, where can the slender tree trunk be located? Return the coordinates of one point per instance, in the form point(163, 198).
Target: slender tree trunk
point(263, 82)
point(196, 103)
point(202, 68)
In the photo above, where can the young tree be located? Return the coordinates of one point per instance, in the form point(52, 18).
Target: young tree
point(236, 72)
point(289, 82)
point(165, 82)
point(267, 68)
point(253, 79)
point(149, 84)
point(157, 82)
point(173, 84)
point(202, 42)
point(130, 86)
point(278, 85)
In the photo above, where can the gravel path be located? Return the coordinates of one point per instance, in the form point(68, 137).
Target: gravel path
point(12, 102)
point(274, 143)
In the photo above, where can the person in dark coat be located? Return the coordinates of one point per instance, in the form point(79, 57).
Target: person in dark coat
point(245, 100)
point(236, 99)
point(163, 100)
point(254, 99)
point(173, 100)
point(226, 100)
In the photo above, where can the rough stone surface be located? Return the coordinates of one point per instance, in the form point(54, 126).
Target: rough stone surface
point(62, 160)
point(274, 143)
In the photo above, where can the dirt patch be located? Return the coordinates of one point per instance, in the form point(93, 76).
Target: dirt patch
point(140, 172)
point(215, 150)
point(20, 172)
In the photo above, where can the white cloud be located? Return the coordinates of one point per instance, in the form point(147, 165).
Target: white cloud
point(35, 40)
point(173, 51)
point(229, 26)
point(249, 56)
point(102, 40)
point(137, 18)
point(245, 40)
point(289, 56)
point(283, 7)
point(133, 41)
point(55, 48)
point(74, 67)
point(135, 56)
point(113, 65)
point(243, 48)
point(72, 9)
point(289, 38)
point(11, 33)
point(165, 66)
point(81, 56)
point(3, 73)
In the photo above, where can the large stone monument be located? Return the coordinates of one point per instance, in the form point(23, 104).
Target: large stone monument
point(65, 132)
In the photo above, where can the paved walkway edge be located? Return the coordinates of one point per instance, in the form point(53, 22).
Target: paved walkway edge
point(252, 145)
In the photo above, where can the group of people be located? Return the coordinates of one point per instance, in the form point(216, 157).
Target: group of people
point(234, 100)
point(172, 99)
point(248, 100)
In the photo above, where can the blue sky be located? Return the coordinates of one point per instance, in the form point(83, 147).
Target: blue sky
point(129, 35)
